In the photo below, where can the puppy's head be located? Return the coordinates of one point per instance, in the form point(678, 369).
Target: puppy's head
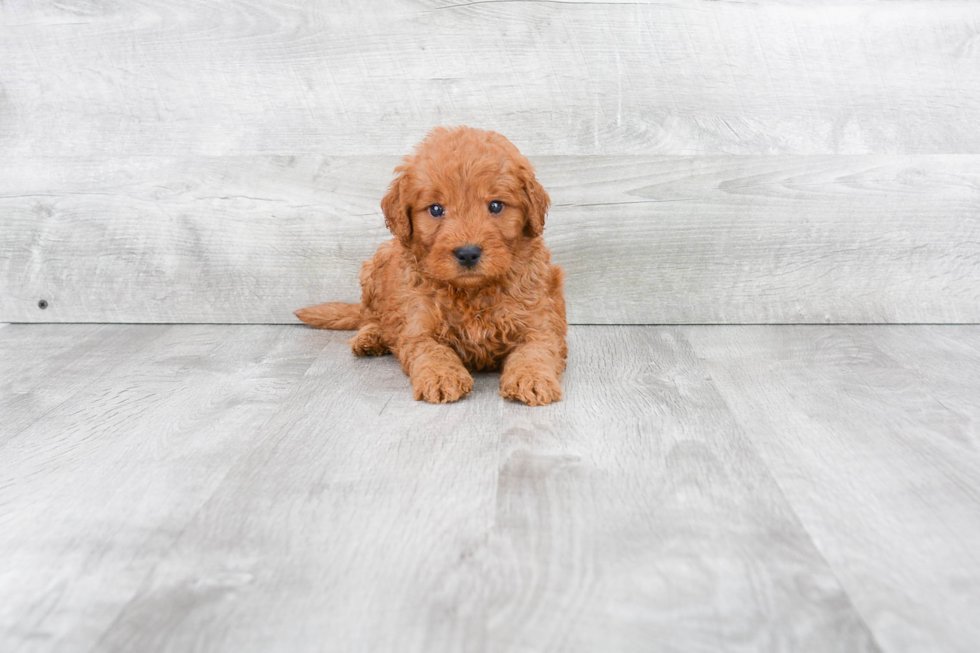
point(464, 202)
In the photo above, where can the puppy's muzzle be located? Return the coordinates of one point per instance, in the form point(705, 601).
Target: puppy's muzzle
point(468, 255)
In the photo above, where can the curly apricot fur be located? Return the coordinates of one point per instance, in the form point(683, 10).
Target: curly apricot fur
point(439, 318)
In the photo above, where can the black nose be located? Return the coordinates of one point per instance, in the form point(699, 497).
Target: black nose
point(468, 255)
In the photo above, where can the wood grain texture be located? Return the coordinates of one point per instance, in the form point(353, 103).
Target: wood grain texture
point(45, 365)
point(636, 515)
point(93, 494)
point(273, 77)
point(715, 162)
point(872, 434)
point(643, 239)
point(225, 494)
point(353, 527)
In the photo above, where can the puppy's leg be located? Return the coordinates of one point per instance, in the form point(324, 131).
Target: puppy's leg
point(436, 372)
point(368, 341)
point(532, 371)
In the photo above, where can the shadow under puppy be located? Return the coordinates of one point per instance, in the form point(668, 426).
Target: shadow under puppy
point(467, 283)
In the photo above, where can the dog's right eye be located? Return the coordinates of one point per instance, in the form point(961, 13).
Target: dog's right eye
point(436, 211)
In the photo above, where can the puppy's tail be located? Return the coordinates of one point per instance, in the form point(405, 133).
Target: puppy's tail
point(335, 315)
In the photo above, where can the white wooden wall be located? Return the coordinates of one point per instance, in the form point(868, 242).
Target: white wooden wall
point(168, 160)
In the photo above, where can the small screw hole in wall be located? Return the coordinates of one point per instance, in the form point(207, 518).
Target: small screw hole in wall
point(43, 304)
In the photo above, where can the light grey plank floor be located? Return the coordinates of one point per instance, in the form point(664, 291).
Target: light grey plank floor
point(873, 434)
point(96, 490)
point(46, 364)
point(638, 514)
point(257, 488)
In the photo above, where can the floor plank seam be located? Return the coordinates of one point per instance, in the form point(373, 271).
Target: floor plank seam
point(165, 553)
point(813, 486)
point(10, 438)
point(796, 515)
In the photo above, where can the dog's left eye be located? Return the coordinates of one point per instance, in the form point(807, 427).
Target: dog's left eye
point(496, 206)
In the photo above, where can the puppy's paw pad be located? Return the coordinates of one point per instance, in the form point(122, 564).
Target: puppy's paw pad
point(368, 343)
point(529, 388)
point(441, 386)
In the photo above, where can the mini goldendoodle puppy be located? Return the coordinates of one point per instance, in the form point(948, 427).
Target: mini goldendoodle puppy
point(467, 283)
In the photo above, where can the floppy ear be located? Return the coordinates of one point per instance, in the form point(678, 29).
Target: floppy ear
point(397, 209)
point(537, 204)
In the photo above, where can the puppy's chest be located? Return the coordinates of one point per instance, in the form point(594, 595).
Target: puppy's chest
point(481, 337)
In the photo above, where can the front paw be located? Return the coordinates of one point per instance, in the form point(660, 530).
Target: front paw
point(441, 385)
point(530, 387)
